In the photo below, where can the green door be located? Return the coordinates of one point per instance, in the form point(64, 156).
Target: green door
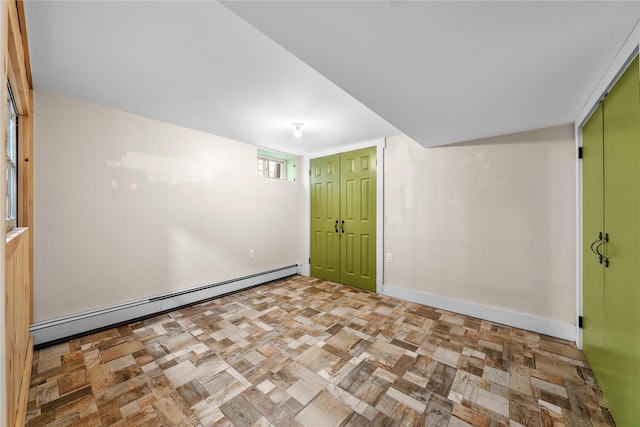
point(621, 378)
point(592, 229)
point(358, 211)
point(343, 218)
point(325, 217)
point(611, 294)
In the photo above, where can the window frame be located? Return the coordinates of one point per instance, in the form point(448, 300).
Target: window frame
point(266, 170)
point(12, 174)
point(18, 75)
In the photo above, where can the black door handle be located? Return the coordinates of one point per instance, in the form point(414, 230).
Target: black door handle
point(602, 256)
point(342, 226)
point(336, 225)
point(594, 243)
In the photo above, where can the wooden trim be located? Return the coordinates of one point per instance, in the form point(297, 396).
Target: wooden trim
point(25, 195)
point(18, 267)
point(25, 175)
point(23, 398)
point(25, 42)
point(25, 192)
point(9, 393)
point(16, 69)
point(14, 239)
point(25, 170)
point(17, 281)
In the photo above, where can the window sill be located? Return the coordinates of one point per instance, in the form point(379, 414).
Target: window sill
point(14, 237)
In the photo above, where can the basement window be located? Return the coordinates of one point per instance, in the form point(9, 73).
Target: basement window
point(272, 168)
point(276, 166)
point(12, 162)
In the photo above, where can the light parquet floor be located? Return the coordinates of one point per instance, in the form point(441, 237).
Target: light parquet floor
point(306, 352)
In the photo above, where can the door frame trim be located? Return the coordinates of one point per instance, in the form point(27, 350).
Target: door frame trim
point(380, 144)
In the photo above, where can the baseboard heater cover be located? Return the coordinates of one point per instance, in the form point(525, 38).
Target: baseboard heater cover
point(77, 324)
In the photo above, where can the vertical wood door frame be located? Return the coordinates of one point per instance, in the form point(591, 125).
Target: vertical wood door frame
point(16, 273)
point(380, 145)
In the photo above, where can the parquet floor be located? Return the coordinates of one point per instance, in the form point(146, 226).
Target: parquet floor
point(305, 352)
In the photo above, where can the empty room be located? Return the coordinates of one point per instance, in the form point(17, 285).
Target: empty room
point(321, 213)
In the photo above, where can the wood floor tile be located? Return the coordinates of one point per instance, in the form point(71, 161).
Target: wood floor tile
point(324, 410)
point(438, 411)
point(306, 352)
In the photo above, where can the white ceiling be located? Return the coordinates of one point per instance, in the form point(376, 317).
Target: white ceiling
point(194, 64)
point(450, 71)
point(441, 72)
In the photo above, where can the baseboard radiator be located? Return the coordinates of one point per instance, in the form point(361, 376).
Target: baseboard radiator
point(57, 329)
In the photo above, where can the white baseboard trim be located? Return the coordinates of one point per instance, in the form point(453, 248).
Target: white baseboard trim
point(76, 324)
point(515, 319)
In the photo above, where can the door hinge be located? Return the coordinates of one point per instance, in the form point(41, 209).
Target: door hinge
point(309, 172)
point(580, 322)
point(309, 260)
point(579, 152)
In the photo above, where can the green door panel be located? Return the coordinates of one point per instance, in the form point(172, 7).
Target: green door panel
point(592, 226)
point(325, 212)
point(358, 211)
point(621, 380)
point(343, 189)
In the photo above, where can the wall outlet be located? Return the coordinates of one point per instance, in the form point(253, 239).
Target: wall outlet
point(389, 257)
point(252, 253)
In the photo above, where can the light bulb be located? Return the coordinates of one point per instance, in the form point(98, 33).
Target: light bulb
point(298, 131)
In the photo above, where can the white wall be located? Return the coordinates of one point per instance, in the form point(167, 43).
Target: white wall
point(490, 222)
point(128, 207)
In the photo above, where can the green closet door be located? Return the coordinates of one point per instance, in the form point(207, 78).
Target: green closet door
point(343, 218)
point(621, 380)
point(592, 226)
point(325, 215)
point(358, 211)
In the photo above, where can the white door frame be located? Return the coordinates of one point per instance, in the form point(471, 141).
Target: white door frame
point(380, 145)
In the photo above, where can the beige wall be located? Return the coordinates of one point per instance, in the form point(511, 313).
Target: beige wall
point(491, 222)
point(128, 207)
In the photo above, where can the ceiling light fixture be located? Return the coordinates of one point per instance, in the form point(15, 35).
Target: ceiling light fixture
point(298, 130)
